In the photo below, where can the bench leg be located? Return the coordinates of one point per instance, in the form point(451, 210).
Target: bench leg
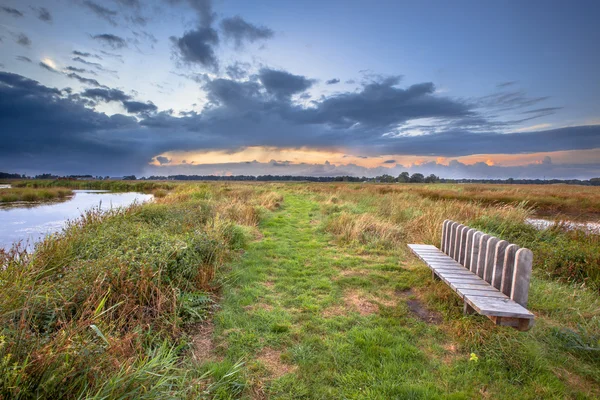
point(435, 277)
point(467, 309)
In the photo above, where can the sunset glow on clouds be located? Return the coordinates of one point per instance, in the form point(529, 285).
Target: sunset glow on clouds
point(196, 87)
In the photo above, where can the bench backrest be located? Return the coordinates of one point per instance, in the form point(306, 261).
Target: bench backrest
point(503, 265)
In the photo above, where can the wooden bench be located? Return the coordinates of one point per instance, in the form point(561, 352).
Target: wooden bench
point(490, 275)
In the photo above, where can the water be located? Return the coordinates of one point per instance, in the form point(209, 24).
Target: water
point(31, 224)
point(592, 227)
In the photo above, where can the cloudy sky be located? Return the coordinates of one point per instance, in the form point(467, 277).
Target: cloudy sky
point(459, 89)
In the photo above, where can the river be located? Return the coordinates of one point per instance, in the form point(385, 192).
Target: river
point(29, 223)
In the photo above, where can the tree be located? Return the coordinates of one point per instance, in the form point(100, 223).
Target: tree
point(129, 178)
point(432, 179)
point(403, 177)
point(417, 178)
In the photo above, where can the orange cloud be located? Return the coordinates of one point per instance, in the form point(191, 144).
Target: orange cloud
point(338, 157)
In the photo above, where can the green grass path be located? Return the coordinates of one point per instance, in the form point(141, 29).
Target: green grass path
point(313, 320)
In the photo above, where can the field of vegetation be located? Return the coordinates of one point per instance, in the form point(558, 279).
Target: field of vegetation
point(115, 186)
point(33, 194)
point(295, 290)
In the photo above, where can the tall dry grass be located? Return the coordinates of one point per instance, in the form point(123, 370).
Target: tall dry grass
point(393, 215)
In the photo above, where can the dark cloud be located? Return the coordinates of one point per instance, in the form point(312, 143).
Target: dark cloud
point(545, 110)
point(47, 67)
point(389, 162)
point(505, 84)
point(383, 105)
point(451, 144)
point(81, 60)
point(163, 160)
point(24, 59)
point(102, 12)
point(83, 80)
point(106, 95)
point(241, 31)
point(44, 14)
point(113, 41)
point(12, 11)
point(332, 81)
point(23, 40)
point(57, 131)
point(237, 70)
point(80, 70)
point(283, 84)
point(350, 81)
point(197, 47)
point(85, 54)
point(137, 107)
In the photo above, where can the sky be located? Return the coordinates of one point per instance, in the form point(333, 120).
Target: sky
point(462, 89)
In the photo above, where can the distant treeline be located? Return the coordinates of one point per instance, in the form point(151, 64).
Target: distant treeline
point(404, 177)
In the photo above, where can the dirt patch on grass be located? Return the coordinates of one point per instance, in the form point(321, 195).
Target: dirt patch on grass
point(354, 272)
point(269, 284)
point(358, 301)
point(271, 358)
point(364, 304)
point(419, 309)
point(259, 306)
point(202, 341)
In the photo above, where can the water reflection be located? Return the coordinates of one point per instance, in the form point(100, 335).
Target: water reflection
point(31, 223)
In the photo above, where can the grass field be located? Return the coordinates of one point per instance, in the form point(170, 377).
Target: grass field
point(33, 194)
point(291, 290)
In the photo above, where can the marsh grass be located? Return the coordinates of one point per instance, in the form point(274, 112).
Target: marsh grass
point(116, 186)
point(578, 202)
point(33, 194)
point(99, 310)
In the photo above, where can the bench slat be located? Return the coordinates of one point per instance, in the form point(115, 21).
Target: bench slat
point(498, 307)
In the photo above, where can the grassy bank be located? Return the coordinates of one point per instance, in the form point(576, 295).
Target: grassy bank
point(115, 186)
point(103, 310)
point(33, 195)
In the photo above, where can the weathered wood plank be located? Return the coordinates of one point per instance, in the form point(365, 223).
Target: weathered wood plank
point(498, 307)
point(490, 258)
point(458, 286)
point(484, 293)
point(463, 245)
point(453, 226)
point(468, 248)
point(475, 251)
point(444, 233)
point(499, 264)
point(455, 271)
point(483, 242)
point(457, 237)
point(508, 268)
point(521, 276)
